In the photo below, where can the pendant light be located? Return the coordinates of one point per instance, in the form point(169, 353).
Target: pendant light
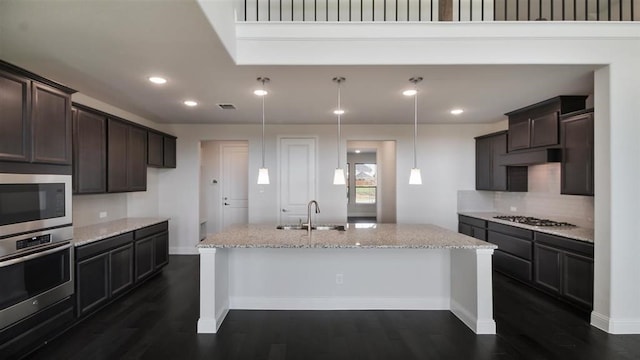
point(263, 172)
point(338, 175)
point(415, 178)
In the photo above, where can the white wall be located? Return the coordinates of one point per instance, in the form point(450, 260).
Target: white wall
point(445, 153)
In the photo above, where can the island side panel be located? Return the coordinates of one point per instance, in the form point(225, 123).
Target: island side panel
point(339, 278)
point(214, 289)
point(472, 289)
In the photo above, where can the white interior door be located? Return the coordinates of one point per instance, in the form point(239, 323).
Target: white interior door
point(235, 186)
point(297, 178)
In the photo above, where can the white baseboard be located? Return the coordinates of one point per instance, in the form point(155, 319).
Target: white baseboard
point(338, 303)
point(615, 326)
point(183, 250)
point(485, 326)
point(211, 326)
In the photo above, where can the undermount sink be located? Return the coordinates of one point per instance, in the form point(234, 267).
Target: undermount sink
point(314, 227)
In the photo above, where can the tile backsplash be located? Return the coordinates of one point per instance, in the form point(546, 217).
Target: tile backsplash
point(542, 200)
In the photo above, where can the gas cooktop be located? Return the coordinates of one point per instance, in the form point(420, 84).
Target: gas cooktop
point(528, 220)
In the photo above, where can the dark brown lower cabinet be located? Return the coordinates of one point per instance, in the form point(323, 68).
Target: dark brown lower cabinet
point(108, 268)
point(103, 277)
point(473, 227)
point(144, 258)
point(564, 268)
point(559, 266)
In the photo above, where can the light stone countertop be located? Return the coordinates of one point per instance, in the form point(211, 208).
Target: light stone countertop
point(575, 233)
point(86, 234)
point(355, 236)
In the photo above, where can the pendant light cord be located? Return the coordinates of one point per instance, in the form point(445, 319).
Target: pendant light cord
point(263, 125)
point(415, 126)
point(339, 110)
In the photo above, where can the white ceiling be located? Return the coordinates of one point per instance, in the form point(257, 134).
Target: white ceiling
point(108, 49)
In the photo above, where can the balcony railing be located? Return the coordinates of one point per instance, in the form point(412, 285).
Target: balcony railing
point(437, 10)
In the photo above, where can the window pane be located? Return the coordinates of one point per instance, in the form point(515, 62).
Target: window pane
point(365, 195)
point(366, 175)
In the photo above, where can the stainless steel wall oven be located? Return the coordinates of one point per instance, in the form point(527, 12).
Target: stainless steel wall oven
point(36, 254)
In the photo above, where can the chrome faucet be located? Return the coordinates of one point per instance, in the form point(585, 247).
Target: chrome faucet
point(308, 223)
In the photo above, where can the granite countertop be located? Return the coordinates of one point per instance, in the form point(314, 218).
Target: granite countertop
point(576, 233)
point(83, 235)
point(379, 236)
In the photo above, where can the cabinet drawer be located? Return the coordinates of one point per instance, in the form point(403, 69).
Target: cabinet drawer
point(563, 243)
point(100, 246)
point(472, 221)
point(511, 230)
point(150, 230)
point(511, 245)
point(512, 266)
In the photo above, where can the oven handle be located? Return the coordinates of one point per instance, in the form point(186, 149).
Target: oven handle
point(33, 256)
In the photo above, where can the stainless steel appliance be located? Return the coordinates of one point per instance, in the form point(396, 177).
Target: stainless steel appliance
point(36, 270)
point(36, 254)
point(31, 202)
point(529, 220)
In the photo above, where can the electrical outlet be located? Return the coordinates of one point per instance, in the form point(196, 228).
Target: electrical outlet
point(103, 214)
point(513, 208)
point(339, 279)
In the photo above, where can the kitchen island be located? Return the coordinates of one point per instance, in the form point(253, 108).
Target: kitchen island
point(381, 266)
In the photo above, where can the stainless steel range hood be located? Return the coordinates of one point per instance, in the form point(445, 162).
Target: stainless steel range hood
point(530, 157)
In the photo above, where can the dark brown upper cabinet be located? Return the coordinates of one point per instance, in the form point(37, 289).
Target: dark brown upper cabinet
point(170, 152)
point(35, 126)
point(576, 175)
point(126, 157)
point(537, 125)
point(490, 175)
point(89, 152)
point(161, 150)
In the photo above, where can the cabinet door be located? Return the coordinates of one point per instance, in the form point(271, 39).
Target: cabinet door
point(519, 135)
point(544, 130)
point(577, 155)
point(498, 173)
point(92, 283)
point(465, 229)
point(137, 159)
point(15, 98)
point(548, 268)
point(51, 125)
point(117, 141)
point(161, 250)
point(144, 257)
point(121, 269)
point(155, 153)
point(483, 164)
point(90, 152)
point(169, 152)
point(578, 278)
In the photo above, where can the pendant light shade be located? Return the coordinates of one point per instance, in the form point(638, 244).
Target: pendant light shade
point(338, 175)
point(415, 178)
point(263, 172)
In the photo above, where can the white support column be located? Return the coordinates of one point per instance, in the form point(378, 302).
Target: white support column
point(471, 289)
point(214, 289)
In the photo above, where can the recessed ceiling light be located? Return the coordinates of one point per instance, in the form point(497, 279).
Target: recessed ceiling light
point(357, 151)
point(338, 112)
point(261, 92)
point(158, 80)
point(457, 111)
point(411, 92)
point(190, 103)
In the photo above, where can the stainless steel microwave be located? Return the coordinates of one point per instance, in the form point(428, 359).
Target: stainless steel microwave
point(30, 202)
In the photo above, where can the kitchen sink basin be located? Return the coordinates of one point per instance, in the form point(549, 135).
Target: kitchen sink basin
point(314, 227)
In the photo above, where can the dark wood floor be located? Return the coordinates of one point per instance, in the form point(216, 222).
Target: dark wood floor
point(158, 321)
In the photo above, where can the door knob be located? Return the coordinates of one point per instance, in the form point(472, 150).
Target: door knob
point(227, 204)
point(284, 210)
